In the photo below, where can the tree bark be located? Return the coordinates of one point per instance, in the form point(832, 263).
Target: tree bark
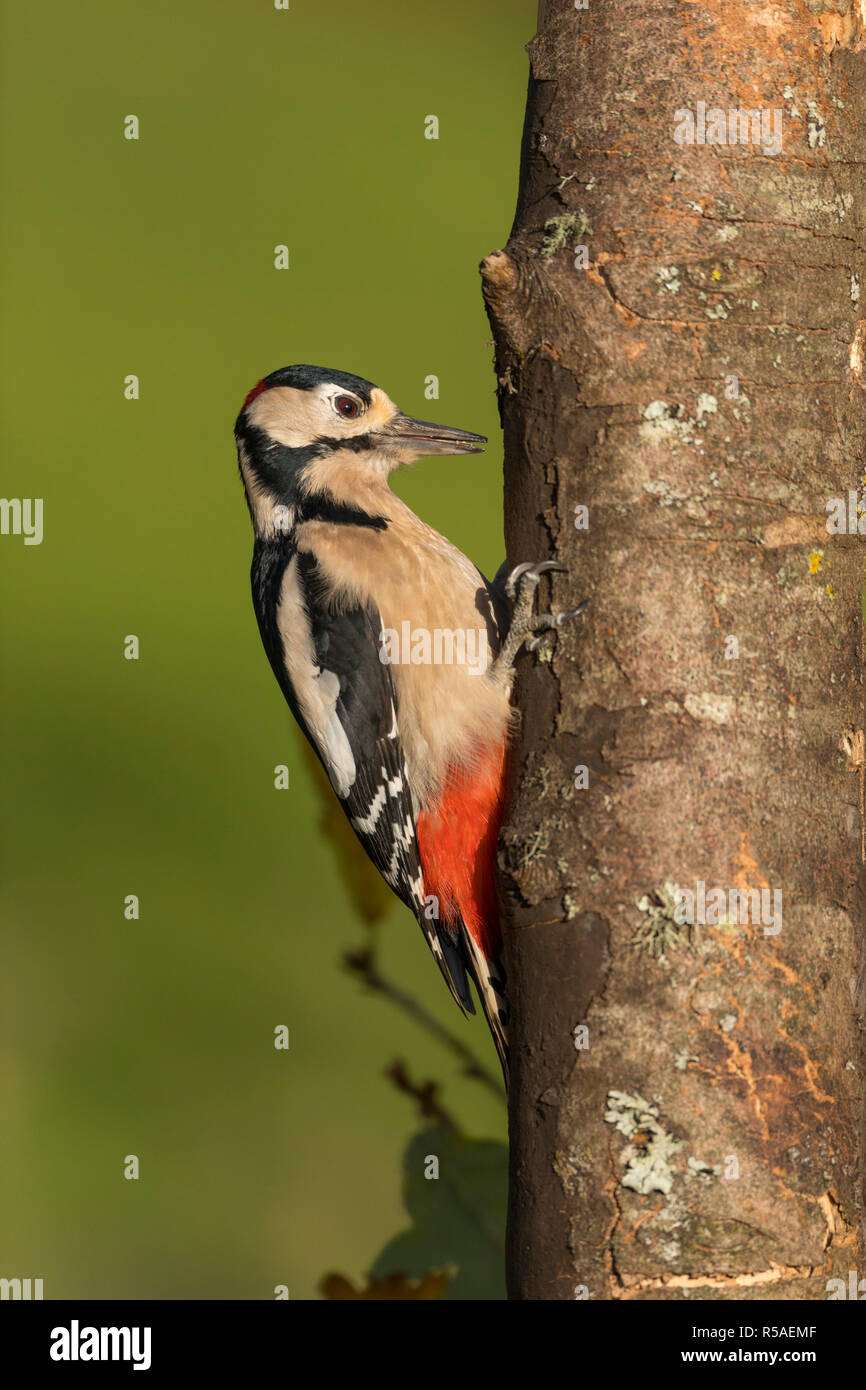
point(695, 380)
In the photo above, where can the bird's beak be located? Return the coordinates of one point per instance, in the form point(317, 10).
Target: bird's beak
point(424, 438)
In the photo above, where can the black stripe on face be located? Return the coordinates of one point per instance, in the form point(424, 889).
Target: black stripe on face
point(266, 453)
point(321, 506)
point(355, 443)
point(260, 445)
point(276, 465)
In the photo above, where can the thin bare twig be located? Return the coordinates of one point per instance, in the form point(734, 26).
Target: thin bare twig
point(424, 1093)
point(363, 965)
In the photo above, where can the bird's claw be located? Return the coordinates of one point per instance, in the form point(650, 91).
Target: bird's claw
point(532, 573)
point(548, 622)
point(528, 628)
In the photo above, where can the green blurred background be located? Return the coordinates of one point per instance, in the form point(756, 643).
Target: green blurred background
point(155, 777)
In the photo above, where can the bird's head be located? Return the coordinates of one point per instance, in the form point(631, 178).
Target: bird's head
point(306, 431)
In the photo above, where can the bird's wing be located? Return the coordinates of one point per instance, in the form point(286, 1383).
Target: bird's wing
point(358, 742)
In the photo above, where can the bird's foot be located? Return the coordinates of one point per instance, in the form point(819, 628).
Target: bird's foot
point(527, 627)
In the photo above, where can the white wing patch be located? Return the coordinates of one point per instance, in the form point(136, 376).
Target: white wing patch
point(317, 689)
point(337, 748)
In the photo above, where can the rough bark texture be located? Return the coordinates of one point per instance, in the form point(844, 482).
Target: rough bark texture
point(706, 1142)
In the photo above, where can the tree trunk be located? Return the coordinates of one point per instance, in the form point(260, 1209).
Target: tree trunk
point(687, 1100)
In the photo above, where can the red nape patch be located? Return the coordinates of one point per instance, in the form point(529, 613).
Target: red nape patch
point(457, 845)
point(257, 390)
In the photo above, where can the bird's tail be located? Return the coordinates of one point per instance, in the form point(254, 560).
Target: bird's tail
point(490, 980)
point(457, 847)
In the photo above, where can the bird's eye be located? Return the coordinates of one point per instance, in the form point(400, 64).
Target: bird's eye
point(347, 407)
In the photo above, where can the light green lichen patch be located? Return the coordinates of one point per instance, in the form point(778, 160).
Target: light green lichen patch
point(536, 846)
point(664, 418)
point(571, 906)
point(706, 1170)
point(816, 134)
point(793, 110)
point(558, 230)
point(650, 1148)
point(667, 495)
point(671, 420)
point(660, 932)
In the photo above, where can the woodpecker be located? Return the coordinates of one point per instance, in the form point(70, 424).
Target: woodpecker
point(414, 746)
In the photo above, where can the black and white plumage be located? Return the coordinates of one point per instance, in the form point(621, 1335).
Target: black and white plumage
point(414, 751)
point(362, 754)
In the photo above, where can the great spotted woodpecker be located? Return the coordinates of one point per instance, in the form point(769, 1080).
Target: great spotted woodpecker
point(412, 737)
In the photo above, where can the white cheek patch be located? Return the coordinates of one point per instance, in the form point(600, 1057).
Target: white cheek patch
point(295, 417)
point(287, 414)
